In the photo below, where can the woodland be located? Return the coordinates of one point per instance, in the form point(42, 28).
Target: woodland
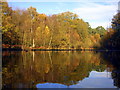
point(26, 29)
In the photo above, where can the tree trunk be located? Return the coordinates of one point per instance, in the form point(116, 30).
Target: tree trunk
point(33, 43)
point(50, 41)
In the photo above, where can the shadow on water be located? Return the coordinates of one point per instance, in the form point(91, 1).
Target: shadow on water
point(114, 59)
point(113, 43)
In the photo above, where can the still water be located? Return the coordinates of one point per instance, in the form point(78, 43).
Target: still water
point(43, 69)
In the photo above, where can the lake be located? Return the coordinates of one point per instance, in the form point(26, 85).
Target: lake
point(58, 69)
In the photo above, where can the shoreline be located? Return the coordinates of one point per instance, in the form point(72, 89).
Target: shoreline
point(15, 49)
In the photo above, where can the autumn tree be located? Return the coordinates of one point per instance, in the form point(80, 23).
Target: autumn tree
point(31, 29)
point(9, 34)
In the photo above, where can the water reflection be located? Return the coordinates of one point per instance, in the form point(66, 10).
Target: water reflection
point(64, 69)
point(114, 59)
point(51, 85)
point(95, 80)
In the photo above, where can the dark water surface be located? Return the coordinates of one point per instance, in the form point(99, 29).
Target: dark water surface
point(43, 69)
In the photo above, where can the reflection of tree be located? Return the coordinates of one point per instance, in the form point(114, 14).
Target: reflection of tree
point(116, 77)
point(113, 58)
point(20, 70)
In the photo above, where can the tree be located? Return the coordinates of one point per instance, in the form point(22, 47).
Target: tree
point(33, 17)
point(9, 35)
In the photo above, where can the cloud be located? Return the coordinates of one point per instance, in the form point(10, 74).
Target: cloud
point(104, 24)
point(96, 13)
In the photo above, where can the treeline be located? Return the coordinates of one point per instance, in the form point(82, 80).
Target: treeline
point(28, 28)
point(112, 40)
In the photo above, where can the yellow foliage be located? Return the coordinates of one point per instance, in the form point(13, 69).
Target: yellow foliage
point(47, 30)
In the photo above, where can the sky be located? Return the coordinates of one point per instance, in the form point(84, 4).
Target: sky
point(96, 12)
